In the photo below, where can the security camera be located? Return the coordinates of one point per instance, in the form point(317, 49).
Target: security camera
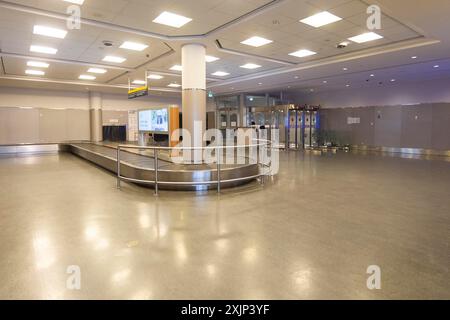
point(342, 45)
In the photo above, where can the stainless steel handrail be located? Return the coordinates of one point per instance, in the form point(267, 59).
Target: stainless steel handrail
point(156, 182)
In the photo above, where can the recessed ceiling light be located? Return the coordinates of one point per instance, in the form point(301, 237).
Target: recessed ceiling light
point(139, 82)
point(414, 57)
point(296, 77)
point(172, 19)
point(42, 49)
point(220, 73)
point(133, 46)
point(321, 19)
point(347, 85)
point(256, 41)
point(302, 53)
point(114, 59)
point(155, 77)
point(37, 64)
point(345, 69)
point(366, 37)
point(436, 66)
point(251, 66)
point(86, 77)
point(97, 70)
point(211, 59)
point(260, 83)
point(176, 67)
point(49, 32)
point(393, 80)
point(325, 81)
point(174, 85)
point(79, 2)
point(372, 75)
point(35, 72)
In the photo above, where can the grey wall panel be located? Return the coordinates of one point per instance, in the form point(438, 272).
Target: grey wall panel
point(52, 125)
point(23, 125)
point(388, 126)
point(440, 128)
point(4, 135)
point(336, 120)
point(416, 126)
point(363, 133)
point(77, 124)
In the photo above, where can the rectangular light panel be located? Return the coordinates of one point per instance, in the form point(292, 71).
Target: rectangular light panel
point(35, 72)
point(49, 32)
point(86, 77)
point(97, 70)
point(211, 59)
point(321, 19)
point(155, 77)
point(176, 67)
point(220, 74)
point(172, 20)
point(302, 53)
point(366, 37)
point(256, 41)
point(42, 49)
point(251, 66)
point(37, 64)
point(133, 46)
point(114, 59)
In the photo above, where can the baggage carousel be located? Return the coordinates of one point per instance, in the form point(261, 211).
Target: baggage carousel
point(138, 166)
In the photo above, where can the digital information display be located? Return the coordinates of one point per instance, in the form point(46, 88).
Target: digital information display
point(154, 120)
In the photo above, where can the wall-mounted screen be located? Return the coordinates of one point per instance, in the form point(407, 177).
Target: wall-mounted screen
point(154, 120)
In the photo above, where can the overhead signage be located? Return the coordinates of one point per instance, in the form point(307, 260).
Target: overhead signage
point(138, 92)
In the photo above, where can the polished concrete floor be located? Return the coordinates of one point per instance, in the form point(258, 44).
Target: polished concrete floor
point(309, 234)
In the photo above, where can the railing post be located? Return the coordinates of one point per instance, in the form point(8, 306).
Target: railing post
point(218, 168)
point(118, 167)
point(156, 155)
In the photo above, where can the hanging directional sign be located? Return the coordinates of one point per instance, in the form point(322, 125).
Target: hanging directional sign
point(138, 92)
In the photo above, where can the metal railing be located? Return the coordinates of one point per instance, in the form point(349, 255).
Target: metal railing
point(264, 167)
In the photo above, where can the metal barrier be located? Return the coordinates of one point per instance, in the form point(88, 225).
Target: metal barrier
point(261, 152)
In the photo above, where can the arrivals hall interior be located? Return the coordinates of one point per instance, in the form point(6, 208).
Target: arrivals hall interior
point(224, 149)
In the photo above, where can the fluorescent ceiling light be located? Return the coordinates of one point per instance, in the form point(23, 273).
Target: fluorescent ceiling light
point(220, 73)
point(321, 19)
point(256, 42)
point(133, 46)
point(86, 77)
point(139, 82)
point(155, 77)
point(302, 53)
point(366, 37)
point(97, 70)
point(49, 32)
point(37, 64)
point(174, 85)
point(114, 59)
point(41, 49)
point(35, 72)
point(251, 66)
point(211, 59)
point(79, 2)
point(176, 67)
point(172, 19)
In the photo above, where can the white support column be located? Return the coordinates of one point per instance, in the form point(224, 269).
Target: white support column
point(194, 94)
point(95, 116)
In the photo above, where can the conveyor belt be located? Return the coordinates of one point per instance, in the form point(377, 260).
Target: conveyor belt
point(139, 166)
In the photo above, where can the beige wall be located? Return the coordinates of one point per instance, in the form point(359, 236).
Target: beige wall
point(38, 116)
